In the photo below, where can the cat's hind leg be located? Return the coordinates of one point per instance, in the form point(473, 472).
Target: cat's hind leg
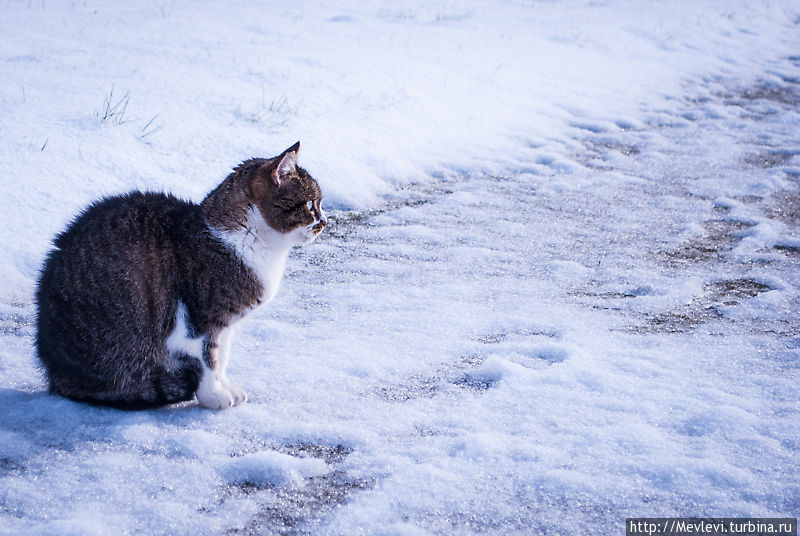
point(160, 388)
point(180, 383)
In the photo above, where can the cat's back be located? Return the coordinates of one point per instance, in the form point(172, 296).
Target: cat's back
point(117, 254)
point(136, 218)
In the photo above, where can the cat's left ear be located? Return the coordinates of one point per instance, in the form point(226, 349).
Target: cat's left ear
point(287, 166)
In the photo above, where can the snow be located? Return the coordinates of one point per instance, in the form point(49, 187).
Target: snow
point(272, 468)
point(559, 287)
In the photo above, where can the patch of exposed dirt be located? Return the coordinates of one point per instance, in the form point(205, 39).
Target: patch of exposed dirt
point(706, 308)
point(782, 95)
point(768, 159)
point(719, 238)
point(291, 511)
point(785, 207)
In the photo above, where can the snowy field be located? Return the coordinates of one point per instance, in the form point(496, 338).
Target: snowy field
point(560, 286)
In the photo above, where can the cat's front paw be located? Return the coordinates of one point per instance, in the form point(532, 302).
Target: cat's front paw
point(237, 393)
point(217, 399)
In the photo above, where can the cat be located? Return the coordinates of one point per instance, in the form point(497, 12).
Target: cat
point(138, 301)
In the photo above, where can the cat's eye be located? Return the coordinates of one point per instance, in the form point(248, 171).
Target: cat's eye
point(310, 205)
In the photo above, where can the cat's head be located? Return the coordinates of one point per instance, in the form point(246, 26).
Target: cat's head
point(275, 191)
point(288, 198)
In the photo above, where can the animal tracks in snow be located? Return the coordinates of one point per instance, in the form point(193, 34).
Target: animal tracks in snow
point(712, 263)
point(499, 355)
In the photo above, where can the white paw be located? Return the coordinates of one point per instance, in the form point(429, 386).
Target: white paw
point(237, 393)
point(219, 398)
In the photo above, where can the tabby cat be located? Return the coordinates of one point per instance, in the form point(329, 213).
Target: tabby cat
point(137, 303)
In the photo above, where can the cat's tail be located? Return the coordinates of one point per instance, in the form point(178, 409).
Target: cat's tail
point(162, 388)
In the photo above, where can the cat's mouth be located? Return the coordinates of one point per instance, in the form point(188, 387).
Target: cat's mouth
point(311, 232)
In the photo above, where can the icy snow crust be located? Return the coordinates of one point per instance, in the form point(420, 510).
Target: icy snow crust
point(559, 287)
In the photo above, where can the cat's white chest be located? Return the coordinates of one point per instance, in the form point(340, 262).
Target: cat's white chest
point(263, 249)
point(269, 266)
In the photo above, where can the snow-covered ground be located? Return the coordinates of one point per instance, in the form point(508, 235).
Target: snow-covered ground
point(560, 287)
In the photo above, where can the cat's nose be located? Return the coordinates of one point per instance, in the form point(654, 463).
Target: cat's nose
point(320, 226)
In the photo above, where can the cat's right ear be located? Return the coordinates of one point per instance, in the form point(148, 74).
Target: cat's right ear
point(287, 165)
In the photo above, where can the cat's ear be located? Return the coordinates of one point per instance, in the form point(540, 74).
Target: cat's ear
point(293, 149)
point(287, 164)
